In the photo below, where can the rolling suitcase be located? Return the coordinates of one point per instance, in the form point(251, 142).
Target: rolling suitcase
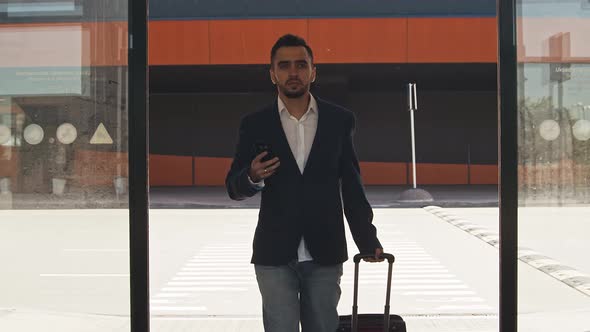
point(371, 322)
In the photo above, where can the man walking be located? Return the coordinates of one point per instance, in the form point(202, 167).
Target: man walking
point(307, 175)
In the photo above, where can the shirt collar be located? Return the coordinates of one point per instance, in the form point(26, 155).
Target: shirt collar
point(313, 105)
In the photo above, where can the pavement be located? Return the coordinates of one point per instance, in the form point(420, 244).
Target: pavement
point(378, 196)
point(77, 280)
point(73, 273)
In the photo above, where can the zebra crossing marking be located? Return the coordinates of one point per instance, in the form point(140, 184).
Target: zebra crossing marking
point(225, 269)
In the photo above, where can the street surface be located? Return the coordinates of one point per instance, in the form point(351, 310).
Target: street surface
point(67, 270)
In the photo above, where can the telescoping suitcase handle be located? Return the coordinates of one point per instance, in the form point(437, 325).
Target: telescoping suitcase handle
point(357, 258)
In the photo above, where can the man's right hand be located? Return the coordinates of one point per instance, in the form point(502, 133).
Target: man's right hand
point(260, 170)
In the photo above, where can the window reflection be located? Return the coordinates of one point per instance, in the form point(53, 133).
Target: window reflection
point(554, 164)
point(63, 75)
point(42, 8)
point(63, 105)
point(554, 133)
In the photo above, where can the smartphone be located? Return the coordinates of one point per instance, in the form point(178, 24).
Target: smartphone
point(260, 147)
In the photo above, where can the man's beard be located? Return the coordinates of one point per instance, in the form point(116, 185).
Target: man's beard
point(294, 94)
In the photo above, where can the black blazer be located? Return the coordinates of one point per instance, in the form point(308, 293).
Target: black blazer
point(308, 204)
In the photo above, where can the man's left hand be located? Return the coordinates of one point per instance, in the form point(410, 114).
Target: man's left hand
point(377, 258)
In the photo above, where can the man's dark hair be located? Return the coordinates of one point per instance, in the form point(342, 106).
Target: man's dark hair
point(289, 40)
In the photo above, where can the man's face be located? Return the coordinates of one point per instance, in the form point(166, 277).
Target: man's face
point(292, 71)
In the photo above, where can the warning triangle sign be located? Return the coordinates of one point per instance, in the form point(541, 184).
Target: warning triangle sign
point(101, 136)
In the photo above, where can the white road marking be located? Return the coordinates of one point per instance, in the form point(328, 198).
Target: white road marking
point(400, 272)
point(76, 275)
point(420, 266)
point(204, 289)
point(173, 295)
point(210, 273)
point(400, 278)
point(224, 318)
point(439, 293)
point(220, 268)
point(218, 260)
point(228, 270)
point(405, 275)
point(453, 299)
point(214, 277)
point(253, 282)
point(97, 250)
point(246, 263)
point(166, 308)
point(229, 247)
point(217, 263)
point(217, 256)
point(160, 301)
point(211, 283)
point(409, 281)
point(464, 307)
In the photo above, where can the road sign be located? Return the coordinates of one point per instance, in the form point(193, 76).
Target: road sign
point(101, 136)
point(549, 130)
point(66, 133)
point(581, 130)
point(33, 134)
point(560, 72)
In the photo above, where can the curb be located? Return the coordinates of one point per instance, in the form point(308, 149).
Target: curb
point(566, 274)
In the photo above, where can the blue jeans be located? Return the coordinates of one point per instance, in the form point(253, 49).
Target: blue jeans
point(306, 292)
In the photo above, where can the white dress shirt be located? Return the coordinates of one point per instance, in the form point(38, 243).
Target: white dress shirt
point(300, 135)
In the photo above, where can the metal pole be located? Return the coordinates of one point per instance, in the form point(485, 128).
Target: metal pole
point(354, 323)
point(412, 105)
point(413, 148)
point(508, 143)
point(414, 194)
point(137, 85)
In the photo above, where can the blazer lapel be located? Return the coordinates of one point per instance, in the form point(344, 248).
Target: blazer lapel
point(321, 131)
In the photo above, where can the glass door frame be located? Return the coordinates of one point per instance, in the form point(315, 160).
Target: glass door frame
point(508, 162)
point(139, 149)
point(138, 166)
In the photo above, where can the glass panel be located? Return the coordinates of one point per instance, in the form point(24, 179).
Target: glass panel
point(209, 67)
point(554, 165)
point(63, 166)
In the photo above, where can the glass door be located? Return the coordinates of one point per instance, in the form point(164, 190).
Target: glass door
point(209, 67)
point(553, 85)
point(65, 107)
